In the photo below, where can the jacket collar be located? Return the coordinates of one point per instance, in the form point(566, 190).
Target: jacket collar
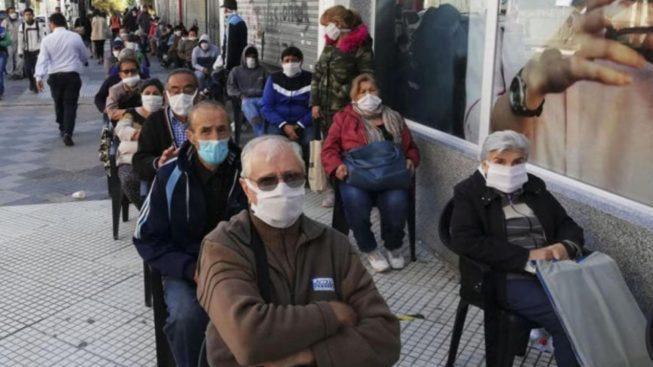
point(533, 186)
point(309, 230)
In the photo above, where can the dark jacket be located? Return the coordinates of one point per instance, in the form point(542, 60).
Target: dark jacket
point(156, 136)
point(287, 100)
point(245, 82)
point(234, 42)
point(173, 220)
point(478, 225)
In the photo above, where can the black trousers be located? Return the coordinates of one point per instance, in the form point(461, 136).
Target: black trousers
point(29, 65)
point(64, 88)
point(99, 49)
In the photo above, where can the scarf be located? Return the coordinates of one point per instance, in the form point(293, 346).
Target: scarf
point(392, 121)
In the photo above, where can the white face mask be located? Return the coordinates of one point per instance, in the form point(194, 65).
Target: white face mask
point(152, 102)
point(13, 16)
point(292, 68)
point(251, 62)
point(369, 102)
point(279, 208)
point(132, 81)
point(178, 33)
point(332, 31)
point(131, 45)
point(506, 179)
point(181, 103)
point(204, 46)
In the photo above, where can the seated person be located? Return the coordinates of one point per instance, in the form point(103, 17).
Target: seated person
point(172, 57)
point(189, 196)
point(125, 94)
point(164, 131)
point(504, 217)
point(110, 62)
point(286, 99)
point(112, 79)
point(363, 122)
point(186, 46)
point(202, 58)
point(246, 82)
point(128, 129)
point(335, 316)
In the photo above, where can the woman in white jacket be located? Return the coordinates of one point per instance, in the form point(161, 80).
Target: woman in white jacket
point(128, 130)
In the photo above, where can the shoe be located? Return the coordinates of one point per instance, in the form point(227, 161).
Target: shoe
point(378, 261)
point(330, 199)
point(68, 140)
point(396, 259)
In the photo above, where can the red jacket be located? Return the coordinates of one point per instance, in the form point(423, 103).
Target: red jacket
point(348, 132)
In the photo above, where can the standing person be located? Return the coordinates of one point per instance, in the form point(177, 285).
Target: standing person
point(62, 56)
point(83, 27)
point(11, 25)
point(115, 24)
point(246, 82)
point(5, 43)
point(99, 34)
point(202, 59)
point(286, 99)
point(235, 36)
point(29, 44)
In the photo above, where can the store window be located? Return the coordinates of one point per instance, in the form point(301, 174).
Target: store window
point(596, 133)
point(429, 62)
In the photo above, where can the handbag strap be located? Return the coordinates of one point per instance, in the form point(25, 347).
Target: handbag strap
point(262, 269)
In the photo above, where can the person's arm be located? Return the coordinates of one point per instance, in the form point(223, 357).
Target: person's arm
point(365, 60)
point(42, 63)
point(232, 84)
point(153, 239)
point(469, 239)
point(125, 128)
point(269, 108)
point(102, 95)
point(112, 110)
point(21, 40)
point(254, 331)
point(307, 119)
point(375, 340)
point(332, 148)
point(145, 158)
point(196, 66)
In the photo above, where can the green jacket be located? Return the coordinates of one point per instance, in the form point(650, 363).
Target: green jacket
point(337, 68)
point(5, 42)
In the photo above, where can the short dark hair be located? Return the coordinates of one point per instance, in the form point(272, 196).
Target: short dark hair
point(28, 10)
point(152, 82)
point(127, 60)
point(183, 71)
point(10, 8)
point(251, 51)
point(58, 20)
point(292, 51)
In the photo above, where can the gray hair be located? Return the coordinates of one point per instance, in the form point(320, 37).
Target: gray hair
point(270, 146)
point(504, 140)
point(206, 105)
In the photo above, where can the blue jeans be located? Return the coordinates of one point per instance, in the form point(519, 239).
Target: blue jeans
point(526, 298)
point(186, 322)
point(251, 108)
point(3, 65)
point(393, 208)
point(304, 139)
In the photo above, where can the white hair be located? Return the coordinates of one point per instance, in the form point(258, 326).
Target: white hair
point(268, 147)
point(504, 140)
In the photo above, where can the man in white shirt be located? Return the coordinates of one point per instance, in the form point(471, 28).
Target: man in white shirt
point(62, 56)
point(29, 44)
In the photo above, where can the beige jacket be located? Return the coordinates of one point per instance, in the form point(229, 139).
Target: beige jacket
point(307, 270)
point(99, 29)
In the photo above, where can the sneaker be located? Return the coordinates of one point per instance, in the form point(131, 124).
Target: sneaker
point(68, 140)
point(396, 258)
point(378, 261)
point(330, 199)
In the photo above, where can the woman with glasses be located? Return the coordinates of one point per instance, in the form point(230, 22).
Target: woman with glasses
point(366, 128)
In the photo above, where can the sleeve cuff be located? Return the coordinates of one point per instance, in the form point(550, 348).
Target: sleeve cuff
point(321, 353)
point(283, 124)
point(573, 250)
point(301, 125)
point(331, 324)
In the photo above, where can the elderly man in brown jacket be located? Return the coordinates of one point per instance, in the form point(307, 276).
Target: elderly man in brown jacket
point(283, 290)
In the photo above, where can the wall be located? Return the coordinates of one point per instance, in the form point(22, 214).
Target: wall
point(631, 246)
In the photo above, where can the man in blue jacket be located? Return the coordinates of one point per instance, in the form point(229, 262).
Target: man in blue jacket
point(286, 99)
point(189, 196)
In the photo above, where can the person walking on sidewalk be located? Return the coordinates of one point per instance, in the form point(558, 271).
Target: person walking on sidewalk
point(99, 30)
point(29, 44)
point(61, 58)
point(5, 43)
point(11, 24)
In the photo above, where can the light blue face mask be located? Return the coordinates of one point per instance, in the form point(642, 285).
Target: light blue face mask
point(213, 152)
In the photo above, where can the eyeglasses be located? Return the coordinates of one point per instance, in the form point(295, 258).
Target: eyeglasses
point(129, 71)
point(292, 179)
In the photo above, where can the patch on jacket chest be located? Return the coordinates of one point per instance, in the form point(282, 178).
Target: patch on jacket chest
point(323, 285)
